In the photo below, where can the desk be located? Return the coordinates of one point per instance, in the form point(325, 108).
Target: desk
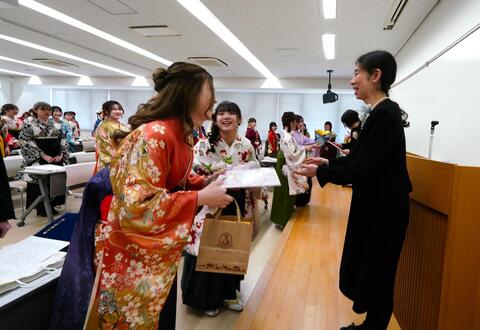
point(51, 183)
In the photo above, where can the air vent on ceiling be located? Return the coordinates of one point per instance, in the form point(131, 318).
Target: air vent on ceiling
point(53, 62)
point(8, 3)
point(155, 31)
point(208, 62)
point(394, 13)
point(114, 7)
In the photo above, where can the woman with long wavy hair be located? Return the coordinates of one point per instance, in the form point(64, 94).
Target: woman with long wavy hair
point(155, 199)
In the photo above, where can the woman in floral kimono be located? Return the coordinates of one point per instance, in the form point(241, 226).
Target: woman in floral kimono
point(139, 246)
point(290, 156)
point(42, 143)
point(223, 148)
point(63, 126)
point(106, 147)
point(11, 126)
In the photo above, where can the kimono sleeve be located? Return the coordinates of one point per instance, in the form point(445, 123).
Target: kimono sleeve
point(147, 207)
point(294, 154)
point(202, 158)
point(373, 154)
point(104, 146)
point(30, 151)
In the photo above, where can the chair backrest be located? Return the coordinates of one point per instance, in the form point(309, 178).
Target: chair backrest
point(79, 174)
point(83, 157)
point(89, 145)
point(13, 163)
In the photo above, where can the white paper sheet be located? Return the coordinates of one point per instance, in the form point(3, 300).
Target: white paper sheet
point(250, 178)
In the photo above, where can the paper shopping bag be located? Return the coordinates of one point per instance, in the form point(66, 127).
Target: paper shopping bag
point(225, 244)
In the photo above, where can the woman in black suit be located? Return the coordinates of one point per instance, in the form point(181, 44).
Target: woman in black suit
point(379, 209)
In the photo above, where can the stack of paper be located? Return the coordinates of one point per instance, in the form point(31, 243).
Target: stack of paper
point(29, 259)
point(47, 168)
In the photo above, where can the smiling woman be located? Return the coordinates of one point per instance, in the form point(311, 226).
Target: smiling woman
point(379, 209)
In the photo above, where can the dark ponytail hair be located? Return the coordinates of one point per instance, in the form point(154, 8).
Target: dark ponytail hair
point(178, 88)
point(385, 62)
point(287, 118)
point(225, 106)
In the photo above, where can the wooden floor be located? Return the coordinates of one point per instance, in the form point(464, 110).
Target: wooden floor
point(299, 287)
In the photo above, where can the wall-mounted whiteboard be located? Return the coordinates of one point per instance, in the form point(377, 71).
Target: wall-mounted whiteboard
point(448, 90)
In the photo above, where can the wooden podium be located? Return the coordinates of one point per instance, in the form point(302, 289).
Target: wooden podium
point(438, 277)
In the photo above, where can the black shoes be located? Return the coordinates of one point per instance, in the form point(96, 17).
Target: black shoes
point(353, 327)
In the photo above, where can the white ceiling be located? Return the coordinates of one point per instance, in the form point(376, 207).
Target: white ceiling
point(284, 34)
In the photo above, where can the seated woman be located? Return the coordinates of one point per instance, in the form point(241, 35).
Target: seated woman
point(41, 143)
point(223, 148)
point(112, 113)
point(290, 156)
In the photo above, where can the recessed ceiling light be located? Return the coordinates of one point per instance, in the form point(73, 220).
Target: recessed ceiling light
point(34, 80)
point(202, 13)
point(38, 7)
point(329, 9)
point(140, 82)
point(328, 42)
point(84, 81)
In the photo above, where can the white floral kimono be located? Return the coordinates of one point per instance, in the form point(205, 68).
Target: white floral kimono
point(209, 159)
point(294, 157)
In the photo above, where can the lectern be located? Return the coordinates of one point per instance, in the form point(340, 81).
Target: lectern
point(438, 277)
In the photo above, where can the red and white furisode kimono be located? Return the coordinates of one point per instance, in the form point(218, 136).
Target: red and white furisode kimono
point(139, 247)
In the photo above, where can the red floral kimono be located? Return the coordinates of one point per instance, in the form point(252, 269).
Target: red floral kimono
point(139, 247)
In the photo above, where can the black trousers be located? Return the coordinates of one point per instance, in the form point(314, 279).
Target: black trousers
point(169, 310)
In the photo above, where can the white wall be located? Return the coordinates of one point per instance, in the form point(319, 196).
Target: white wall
point(447, 89)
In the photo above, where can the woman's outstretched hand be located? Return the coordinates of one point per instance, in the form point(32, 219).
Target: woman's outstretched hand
point(316, 161)
point(306, 170)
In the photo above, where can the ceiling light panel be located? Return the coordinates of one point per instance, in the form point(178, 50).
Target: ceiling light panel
point(329, 9)
point(204, 15)
point(328, 42)
point(55, 14)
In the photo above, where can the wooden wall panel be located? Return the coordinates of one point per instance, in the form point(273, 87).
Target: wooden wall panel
point(419, 275)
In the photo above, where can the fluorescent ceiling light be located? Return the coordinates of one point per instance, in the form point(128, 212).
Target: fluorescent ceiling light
point(140, 82)
point(34, 80)
point(328, 41)
point(63, 54)
point(68, 73)
point(16, 73)
point(202, 13)
point(329, 9)
point(272, 83)
point(34, 5)
point(84, 81)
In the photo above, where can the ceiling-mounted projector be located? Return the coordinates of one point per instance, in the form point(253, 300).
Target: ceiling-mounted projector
point(329, 96)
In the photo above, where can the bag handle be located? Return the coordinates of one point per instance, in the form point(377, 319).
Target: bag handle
point(239, 213)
